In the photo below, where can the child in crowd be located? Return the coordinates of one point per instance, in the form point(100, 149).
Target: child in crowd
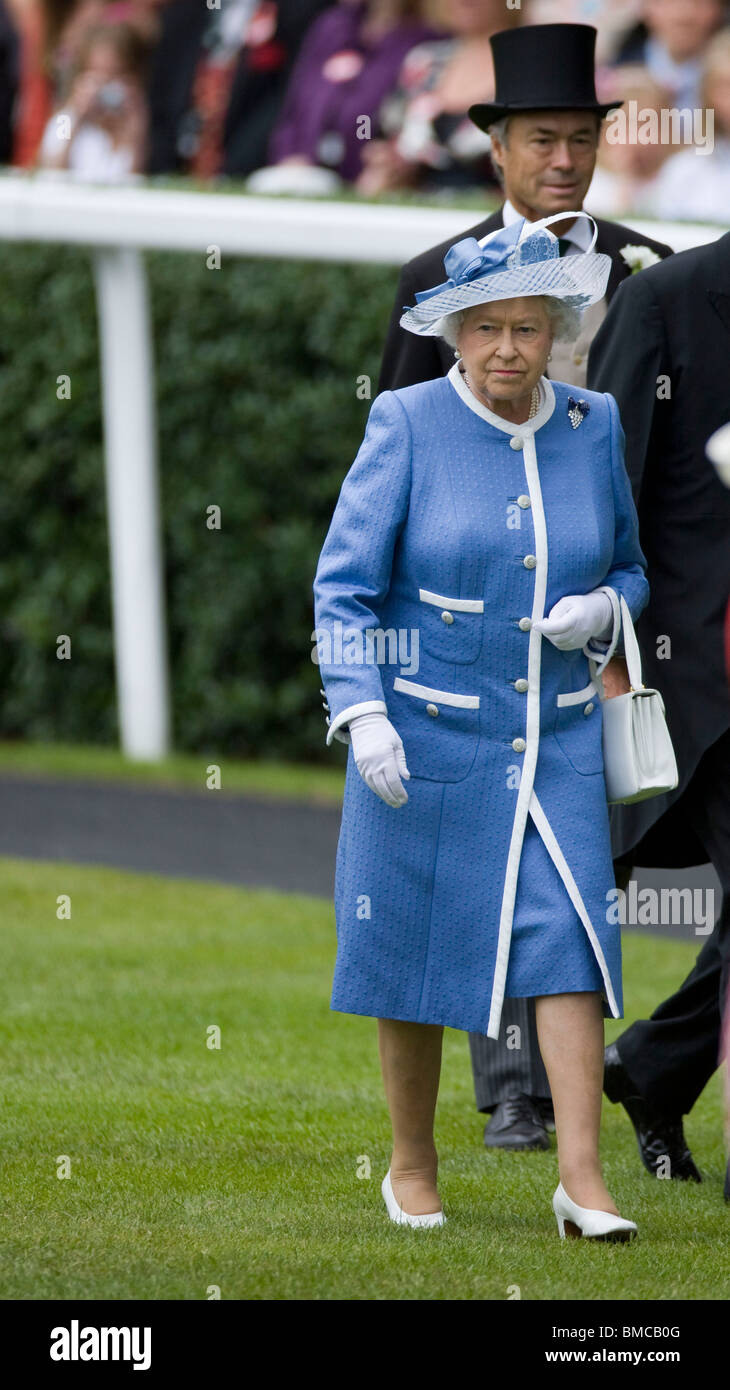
point(99, 130)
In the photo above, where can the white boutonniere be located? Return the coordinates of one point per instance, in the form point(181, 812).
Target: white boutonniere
point(639, 257)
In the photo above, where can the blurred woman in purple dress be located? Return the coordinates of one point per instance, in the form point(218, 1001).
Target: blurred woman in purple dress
point(348, 63)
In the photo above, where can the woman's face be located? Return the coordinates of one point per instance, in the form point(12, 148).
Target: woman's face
point(505, 346)
point(105, 62)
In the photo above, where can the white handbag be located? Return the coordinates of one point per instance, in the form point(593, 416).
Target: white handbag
point(638, 755)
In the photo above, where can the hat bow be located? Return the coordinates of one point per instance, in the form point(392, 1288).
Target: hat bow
point(467, 260)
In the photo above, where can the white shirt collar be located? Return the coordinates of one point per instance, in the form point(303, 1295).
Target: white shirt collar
point(580, 233)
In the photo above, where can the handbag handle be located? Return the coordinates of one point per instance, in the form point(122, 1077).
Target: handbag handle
point(631, 647)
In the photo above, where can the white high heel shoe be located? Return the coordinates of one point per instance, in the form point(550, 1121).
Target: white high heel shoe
point(583, 1221)
point(404, 1218)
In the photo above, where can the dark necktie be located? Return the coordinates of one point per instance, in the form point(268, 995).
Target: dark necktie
point(564, 244)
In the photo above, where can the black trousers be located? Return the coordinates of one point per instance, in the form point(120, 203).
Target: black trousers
point(671, 1056)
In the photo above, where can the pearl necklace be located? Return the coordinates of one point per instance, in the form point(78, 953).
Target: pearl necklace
point(534, 399)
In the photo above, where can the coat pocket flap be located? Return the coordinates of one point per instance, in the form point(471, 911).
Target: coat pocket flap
point(456, 605)
point(444, 697)
point(576, 697)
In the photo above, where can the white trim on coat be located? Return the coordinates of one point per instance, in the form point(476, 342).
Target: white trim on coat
point(445, 697)
point(532, 733)
point(459, 605)
point(556, 854)
point(546, 409)
point(345, 715)
point(576, 697)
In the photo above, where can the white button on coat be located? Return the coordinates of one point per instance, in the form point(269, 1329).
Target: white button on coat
point(519, 745)
point(589, 709)
point(516, 442)
point(432, 710)
point(529, 562)
point(447, 617)
point(525, 624)
point(521, 684)
point(523, 500)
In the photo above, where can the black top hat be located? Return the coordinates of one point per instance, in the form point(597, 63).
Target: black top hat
point(542, 67)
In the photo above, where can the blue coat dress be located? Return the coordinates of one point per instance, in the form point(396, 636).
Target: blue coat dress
point(453, 533)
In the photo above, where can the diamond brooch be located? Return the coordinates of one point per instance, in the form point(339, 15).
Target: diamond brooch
point(577, 411)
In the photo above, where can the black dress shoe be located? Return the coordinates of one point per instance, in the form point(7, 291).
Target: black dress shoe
point(516, 1123)
point(545, 1108)
point(659, 1137)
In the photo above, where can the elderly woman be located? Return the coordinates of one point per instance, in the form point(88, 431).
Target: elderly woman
point(481, 541)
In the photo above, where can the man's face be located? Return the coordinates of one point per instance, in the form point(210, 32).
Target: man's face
point(548, 161)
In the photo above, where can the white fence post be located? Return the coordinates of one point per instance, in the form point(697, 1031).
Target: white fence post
point(132, 503)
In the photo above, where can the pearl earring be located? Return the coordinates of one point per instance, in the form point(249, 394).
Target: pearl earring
point(457, 354)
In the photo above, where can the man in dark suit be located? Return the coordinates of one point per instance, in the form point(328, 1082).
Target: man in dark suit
point(545, 124)
point(664, 353)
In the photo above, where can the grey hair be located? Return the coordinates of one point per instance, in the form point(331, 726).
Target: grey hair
point(564, 320)
point(500, 129)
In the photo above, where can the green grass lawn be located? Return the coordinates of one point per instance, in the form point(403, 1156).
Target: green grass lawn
point(238, 1168)
point(292, 781)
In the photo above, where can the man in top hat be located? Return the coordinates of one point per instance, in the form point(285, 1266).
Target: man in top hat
point(545, 124)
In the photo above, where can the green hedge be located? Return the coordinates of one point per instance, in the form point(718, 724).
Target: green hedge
point(258, 413)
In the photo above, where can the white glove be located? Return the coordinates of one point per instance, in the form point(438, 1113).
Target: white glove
point(573, 620)
point(379, 755)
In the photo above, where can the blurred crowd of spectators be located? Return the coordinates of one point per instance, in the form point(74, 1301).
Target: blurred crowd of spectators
point(314, 95)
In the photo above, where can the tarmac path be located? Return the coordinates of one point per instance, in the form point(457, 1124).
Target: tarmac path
point(215, 836)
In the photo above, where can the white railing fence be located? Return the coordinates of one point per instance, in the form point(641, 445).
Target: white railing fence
point(118, 225)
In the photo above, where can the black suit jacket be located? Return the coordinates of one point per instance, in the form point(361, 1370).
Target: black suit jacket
point(668, 330)
point(408, 358)
point(9, 63)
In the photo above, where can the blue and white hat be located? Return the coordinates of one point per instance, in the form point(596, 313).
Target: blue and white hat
point(512, 263)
